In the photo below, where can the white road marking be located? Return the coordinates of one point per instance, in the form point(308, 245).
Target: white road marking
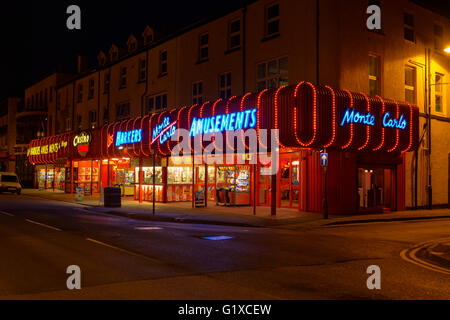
point(43, 225)
point(6, 213)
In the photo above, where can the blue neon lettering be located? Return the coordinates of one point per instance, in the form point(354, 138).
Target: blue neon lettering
point(218, 121)
point(394, 123)
point(352, 117)
point(132, 136)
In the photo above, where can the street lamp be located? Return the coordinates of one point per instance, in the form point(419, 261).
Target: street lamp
point(447, 50)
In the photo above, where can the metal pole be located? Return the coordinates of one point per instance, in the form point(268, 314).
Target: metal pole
point(430, 189)
point(325, 198)
point(254, 189)
point(154, 180)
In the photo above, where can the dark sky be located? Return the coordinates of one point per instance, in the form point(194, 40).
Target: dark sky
point(36, 42)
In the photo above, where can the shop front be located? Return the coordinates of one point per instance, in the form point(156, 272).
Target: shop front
point(365, 138)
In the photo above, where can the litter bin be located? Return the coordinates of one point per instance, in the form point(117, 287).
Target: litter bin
point(112, 197)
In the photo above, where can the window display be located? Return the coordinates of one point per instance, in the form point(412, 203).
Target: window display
point(148, 175)
point(233, 185)
point(179, 175)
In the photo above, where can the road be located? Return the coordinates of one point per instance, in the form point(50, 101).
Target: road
point(121, 258)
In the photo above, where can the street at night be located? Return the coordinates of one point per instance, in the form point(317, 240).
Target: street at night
point(122, 258)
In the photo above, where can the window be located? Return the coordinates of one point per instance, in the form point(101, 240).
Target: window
point(79, 120)
point(163, 62)
point(92, 118)
point(438, 93)
point(197, 92)
point(225, 85)
point(142, 70)
point(80, 93)
point(106, 80)
point(122, 110)
point(438, 36)
point(408, 20)
point(148, 38)
point(106, 115)
point(410, 84)
point(203, 47)
point(272, 20)
point(156, 103)
point(91, 89)
point(234, 34)
point(68, 124)
point(123, 77)
point(272, 74)
point(374, 75)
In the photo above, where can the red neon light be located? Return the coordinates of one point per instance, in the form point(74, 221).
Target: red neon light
point(142, 143)
point(410, 128)
point(382, 128)
point(189, 122)
point(367, 127)
point(258, 122)
point(242, 108)
point(213, 138)
point(315, 114)
point(352, 126)
point(226, 112)
point(397, 134)
point(276, 115)
point(333, 136)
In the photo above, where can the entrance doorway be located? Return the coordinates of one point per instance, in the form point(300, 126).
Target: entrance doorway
point(376, 192)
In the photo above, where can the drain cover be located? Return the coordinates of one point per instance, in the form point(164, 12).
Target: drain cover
point(217, 238)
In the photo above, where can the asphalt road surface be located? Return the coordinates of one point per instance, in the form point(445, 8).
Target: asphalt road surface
point(121, 258)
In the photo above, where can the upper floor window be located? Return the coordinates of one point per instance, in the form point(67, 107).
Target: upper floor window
point(410, 84)
point(163, 62)
point(80, 93)
point(272, 74)
point(438, 37)
point(203, 47)
point(91, 89)
point(408, 28)
point(197, 92)
point(122, 110)
point(142, 70)
point(92, 118)
point(156, 103)
point(374, 75)
point(272, 18)
point(225, 85)
point(234, 34)
point(123, 77)
point(106, 81)
point(438, 81)
point(106, 115)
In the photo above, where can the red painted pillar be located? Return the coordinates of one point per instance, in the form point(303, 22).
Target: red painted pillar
point(141, 176)
point(164, 183)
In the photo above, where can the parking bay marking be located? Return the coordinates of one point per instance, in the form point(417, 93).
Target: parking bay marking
point(43, 225)
point(6, 213)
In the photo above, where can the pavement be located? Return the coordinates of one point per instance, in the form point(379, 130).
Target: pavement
point(233, 216)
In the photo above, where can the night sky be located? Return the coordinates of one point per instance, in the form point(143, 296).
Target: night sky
point(36, 42)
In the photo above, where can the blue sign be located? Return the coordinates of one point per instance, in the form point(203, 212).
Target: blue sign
point(324, 159)
point(224, 122)
point(352, 116)
point(127, 137)
point(164, 130)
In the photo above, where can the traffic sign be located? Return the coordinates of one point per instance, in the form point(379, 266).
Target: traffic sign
point(324, 159)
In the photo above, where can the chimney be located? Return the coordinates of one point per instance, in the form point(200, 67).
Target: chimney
point(82, 63)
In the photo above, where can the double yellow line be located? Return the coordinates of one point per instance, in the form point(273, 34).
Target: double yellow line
point(410, 256)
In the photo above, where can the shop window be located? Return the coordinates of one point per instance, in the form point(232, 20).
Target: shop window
point(179, 175)
point(234, 34)
point(438, 96)
point(203, 47)
point(374, 75)
point(197, 92)
point(272, 74)
point(272, 18)
point(438, 37)
point(163, 62)
point(225, 85)
point(408, 28)
point(410, 84)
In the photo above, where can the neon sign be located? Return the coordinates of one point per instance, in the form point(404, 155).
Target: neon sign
point(352, 117)
point(224, 122)
point(394, 123)
point(164, 130)
point(126, 137)
point(49, 148)
point(81, 139)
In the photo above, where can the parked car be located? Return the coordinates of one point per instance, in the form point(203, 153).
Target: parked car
point(9, 182)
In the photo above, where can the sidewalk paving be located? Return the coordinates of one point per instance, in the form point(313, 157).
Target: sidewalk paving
point(237, 216)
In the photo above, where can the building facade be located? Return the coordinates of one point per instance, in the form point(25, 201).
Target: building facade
point(271, 44)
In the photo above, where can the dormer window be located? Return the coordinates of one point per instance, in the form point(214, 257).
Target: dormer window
point(132, 44)
point(114, 53)
point(148, 35)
